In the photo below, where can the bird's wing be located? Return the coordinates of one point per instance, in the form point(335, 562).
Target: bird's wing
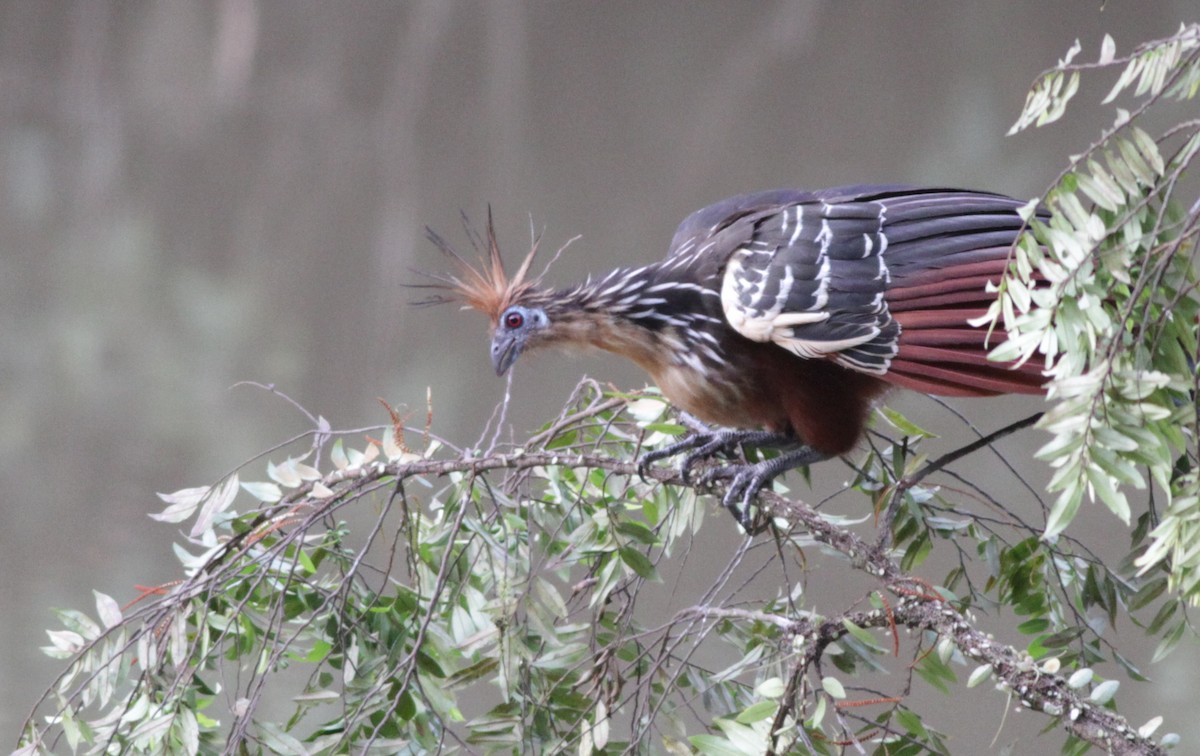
point(881, 280)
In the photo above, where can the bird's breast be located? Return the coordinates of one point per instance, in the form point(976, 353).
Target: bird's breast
point(720, 397)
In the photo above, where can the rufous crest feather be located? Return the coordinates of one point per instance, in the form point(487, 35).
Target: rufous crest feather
point(486, 287)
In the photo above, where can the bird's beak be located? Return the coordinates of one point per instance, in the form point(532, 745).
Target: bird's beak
point(506, 347)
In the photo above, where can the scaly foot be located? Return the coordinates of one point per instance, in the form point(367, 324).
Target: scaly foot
point(745, 479)
point(704, 444)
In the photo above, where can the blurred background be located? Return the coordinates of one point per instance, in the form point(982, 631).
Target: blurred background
point(194, 194)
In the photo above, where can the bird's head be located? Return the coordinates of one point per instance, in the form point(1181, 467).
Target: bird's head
point(519, 327)
point(523, 316)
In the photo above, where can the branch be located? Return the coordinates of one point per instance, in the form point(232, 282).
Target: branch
point(275, 535)
point(918, 609)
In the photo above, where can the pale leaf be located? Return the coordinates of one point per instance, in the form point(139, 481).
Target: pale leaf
point(981, 673)
point(600, 731)
point(217, 502)
point(369, 454)
point(391, 449)
point(1064, 509)
point(306, 472)
point(182, 503)
point(263, 490)
point(1104, 692)
point(1149, 728)
point(66, 640)
point(108, 609)
point(337, 455)
point(321, 491)
point(1080, 678)
point(284, 474)
point(188, 731)
point(318, 696)
point(833, 687)
point(1071, 53)
point(1108, 50)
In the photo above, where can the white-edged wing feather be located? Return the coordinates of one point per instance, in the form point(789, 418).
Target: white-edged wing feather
point(811, 278)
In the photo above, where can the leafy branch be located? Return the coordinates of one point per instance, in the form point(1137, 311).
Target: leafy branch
point(1105, 293)
point(533, 579)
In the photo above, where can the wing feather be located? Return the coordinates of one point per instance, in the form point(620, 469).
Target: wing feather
point(881, 280)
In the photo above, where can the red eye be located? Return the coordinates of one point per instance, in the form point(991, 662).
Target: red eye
point(514, 320)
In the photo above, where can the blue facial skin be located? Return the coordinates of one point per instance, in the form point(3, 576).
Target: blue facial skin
point(517, 324)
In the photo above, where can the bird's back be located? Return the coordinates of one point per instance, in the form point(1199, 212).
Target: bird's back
point(877, 279)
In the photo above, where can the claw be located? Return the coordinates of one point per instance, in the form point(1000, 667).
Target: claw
point(702, 445)
point(745, 479)
point(642, 466)
point(743, 490)
point(716, 442)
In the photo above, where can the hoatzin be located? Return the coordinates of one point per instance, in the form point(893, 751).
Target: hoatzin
point(782, 316)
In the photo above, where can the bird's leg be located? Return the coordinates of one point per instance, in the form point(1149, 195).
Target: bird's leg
point(705, 442)
point(746, 480)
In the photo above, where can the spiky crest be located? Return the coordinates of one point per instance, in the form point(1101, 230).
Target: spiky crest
point(486, 287)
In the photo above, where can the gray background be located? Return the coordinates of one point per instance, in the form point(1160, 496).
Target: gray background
point(195, 194)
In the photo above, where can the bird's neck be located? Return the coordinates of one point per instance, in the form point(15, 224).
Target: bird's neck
point(645, 314)
point(670, 322)
point(610, 313)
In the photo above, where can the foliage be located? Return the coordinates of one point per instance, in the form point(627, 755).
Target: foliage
point(546, 598)
point(409, 602)
point(1105, 293)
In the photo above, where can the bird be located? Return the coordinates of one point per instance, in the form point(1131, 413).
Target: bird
point(780, 318)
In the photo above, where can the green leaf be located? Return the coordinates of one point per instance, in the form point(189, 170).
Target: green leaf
point(638, 531)
point(903, 424)
point(406, 707)
point(319, 652)
point(638, 562)
point(912, 723)
point(1130, 669)
point(1170, 639)
point(1062, 638)
point(758, 712)
point(865, 637)
point(1147, 593)
point(669, 429)
point(833, 687)
point(714, 746)
point(306, 562)
point(936, 672)
point(1064, 509)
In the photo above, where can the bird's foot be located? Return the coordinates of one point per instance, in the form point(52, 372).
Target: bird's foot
point(743, 480)
point(704, 444)
point(747, 479)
